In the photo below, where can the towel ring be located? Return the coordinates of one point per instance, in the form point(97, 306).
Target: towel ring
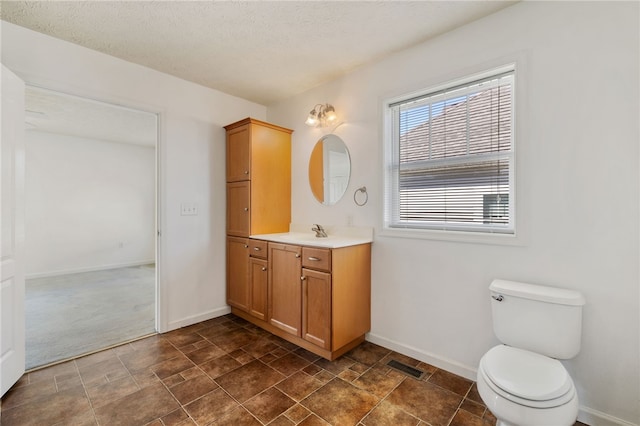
point(362, 189)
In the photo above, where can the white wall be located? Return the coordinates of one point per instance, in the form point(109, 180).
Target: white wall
point(89, 204)
point(578, 192)
point(191, 149)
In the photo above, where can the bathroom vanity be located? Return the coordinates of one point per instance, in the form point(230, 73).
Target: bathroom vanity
point(313, 292)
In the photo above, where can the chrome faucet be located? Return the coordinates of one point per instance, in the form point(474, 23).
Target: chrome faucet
point(319, 230)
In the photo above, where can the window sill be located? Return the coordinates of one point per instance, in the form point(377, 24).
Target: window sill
point(453, 236)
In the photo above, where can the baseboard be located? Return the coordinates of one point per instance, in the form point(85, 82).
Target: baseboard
point(585, 415)
point(443, 363)
point(88, 269)
point(598, 418)
point(194, 319)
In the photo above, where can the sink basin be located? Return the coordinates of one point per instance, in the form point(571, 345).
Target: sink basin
point(310, 239)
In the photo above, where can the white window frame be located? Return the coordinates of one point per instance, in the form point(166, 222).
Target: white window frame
point(466, 233)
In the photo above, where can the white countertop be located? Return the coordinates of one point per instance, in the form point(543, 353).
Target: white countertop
point(337, 237)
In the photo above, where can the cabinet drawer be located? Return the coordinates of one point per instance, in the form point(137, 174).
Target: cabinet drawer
point(316, 258)
point(258, 248)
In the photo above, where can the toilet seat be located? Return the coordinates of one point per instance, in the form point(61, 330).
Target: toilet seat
point(526, 378)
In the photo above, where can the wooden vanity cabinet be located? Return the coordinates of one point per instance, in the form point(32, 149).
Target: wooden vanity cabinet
point(258, 178)
point(318, 298)
point(285, 291)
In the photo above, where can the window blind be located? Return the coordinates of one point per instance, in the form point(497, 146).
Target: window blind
point(450, 166)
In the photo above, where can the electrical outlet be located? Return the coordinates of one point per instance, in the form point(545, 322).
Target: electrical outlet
point(188, 209)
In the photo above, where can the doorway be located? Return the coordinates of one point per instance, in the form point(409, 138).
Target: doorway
point(90, 225)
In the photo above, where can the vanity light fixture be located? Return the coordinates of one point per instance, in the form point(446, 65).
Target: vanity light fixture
point(321, 115)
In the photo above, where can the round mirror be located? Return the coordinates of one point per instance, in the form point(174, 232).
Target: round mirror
point(329, 169)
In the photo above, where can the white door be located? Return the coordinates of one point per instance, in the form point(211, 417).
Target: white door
point(12, 329)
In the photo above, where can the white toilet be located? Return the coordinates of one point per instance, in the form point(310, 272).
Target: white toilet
point(522, 382)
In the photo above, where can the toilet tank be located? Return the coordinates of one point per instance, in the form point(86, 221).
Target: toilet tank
point(541, 319)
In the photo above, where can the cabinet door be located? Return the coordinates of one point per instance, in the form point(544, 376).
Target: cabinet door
point(238, 154)
point(316, 307)
point(285, 293)
point(239, 208)
point(258, 279)
point(238, 273)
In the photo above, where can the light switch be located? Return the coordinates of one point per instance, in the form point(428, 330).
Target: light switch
point(188, 209)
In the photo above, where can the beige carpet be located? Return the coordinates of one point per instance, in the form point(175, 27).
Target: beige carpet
point(70, 315)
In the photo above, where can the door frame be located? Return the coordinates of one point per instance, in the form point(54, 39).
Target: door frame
point(161, 305)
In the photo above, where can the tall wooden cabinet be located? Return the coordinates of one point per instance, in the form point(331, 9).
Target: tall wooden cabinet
point(258, 202)
point(258, 178)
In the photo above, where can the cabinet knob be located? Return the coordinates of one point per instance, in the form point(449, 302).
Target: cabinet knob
point(264, 269)
point(315, 259)
point(246, 209)
point(302, 278)
point(246, 246)
point(257, 248)
point(246, 172)
point(297, 255)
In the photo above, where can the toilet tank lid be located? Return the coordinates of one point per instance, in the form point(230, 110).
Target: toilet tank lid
point(560, 296)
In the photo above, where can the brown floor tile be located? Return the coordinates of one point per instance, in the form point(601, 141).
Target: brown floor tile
point(450, 381)
point(241, 356)
point(249, 380)
point(473, 407)
point(206, 353)
point(340, 403)
point(336, 366)
point(269, 404)
point(260, 347)
point(192, 389)
point(219, 366)
point(148, 353)
point(48, 410)
point(348, 375)
point(464, 418)
point(24, 394)
point(53, 371)
point(96, 358)
point(297, 413)
point(237, 417)
point(175, 418)
point(387, 414)
point(282, 421)
point(313, 420)
point(210, 407)
point(68, 381)
point(289, 364)
point(103, 371)
point(83, 419)
point(182, 337)
point(299, 385)
point(232, 340)
point(376, 382)
point(138, 408)
point(474, 396)
point(172, 366)
point(108, 392)
point(368, 353)
point(426, 401)
point(145, 378)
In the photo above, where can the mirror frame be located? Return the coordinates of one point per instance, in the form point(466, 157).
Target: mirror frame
point(319, 167)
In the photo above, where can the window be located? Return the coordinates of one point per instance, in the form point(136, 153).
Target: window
point(449, 157)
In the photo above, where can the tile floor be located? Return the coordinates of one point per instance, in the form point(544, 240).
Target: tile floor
point(226, 371)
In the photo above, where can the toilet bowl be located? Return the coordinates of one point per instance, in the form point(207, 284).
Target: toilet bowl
point(521, 381)
point(526, 389)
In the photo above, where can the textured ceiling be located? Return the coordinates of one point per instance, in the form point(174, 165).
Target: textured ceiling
point(262, 51)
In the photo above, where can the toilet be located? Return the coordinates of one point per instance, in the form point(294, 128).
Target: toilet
point(521, 381)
